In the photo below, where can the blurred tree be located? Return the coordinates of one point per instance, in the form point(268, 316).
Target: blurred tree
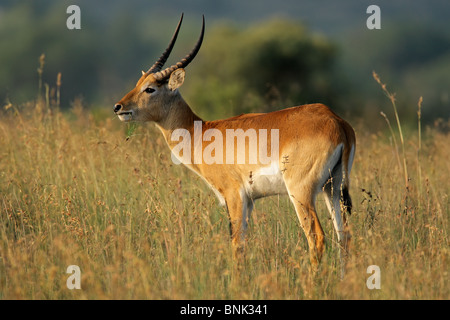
point(26, 33)
point(94, 61)
point(268, 66)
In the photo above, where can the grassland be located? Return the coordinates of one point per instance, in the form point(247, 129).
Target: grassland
point(75, 191)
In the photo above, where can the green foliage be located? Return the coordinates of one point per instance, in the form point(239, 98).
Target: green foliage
point(255, 63)
point(94, 62)
point(26, 34)
point(265, 67)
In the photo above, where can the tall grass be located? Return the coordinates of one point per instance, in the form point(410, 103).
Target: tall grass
point(76, 190)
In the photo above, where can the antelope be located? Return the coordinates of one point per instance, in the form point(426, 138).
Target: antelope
point(315, 152)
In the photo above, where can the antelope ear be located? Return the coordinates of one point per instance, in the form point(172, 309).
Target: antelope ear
point(176, 79)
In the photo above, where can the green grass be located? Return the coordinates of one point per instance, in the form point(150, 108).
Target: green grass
point(75, 191)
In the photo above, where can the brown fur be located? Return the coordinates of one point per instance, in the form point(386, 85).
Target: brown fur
point(309, 136)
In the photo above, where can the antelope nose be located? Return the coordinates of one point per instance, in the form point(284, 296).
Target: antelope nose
point(117, 107)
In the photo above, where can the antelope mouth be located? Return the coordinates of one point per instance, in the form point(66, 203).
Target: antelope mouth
point(125, 116)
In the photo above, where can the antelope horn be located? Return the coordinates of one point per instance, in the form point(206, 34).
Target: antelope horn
point(162, 75)
point(160, 62)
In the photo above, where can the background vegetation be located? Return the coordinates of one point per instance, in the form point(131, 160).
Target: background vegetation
point(257, 55)
point(75, 190)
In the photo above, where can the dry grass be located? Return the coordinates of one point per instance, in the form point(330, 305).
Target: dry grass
point(75, 191)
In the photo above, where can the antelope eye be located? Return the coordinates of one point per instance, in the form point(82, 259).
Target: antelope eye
point(149, 90)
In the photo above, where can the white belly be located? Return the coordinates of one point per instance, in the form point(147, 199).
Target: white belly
point(265, 182)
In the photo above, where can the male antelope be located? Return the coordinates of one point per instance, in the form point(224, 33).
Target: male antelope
point(316, 150)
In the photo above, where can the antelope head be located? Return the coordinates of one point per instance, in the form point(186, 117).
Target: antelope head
point(156, 91)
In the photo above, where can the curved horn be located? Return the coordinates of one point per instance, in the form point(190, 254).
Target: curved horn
point(159, 64)
point(185, 61)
